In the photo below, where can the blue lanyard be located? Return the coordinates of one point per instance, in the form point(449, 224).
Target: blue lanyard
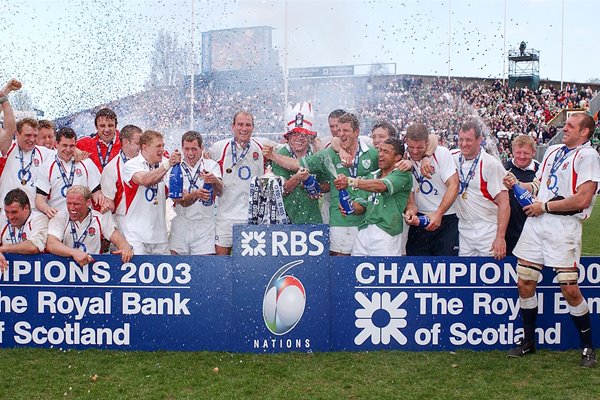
point(63, 173)
point(78, 241)
point(193, 179)
point(103, 160)
point(560, 157)
point(123, 157)
point(16, 238)
point(234, 159)
point(25, 169)
point(464, 182)
point(353, 170)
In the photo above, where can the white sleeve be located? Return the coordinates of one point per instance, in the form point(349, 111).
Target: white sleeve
point(39, 231)
point(108, 181)
point(56, 226)
point(43, 177)
point(93, 174)
point(108, 225)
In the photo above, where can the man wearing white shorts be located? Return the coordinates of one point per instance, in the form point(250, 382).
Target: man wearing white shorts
point(482, 205)
point(383, 199)
point(145, 189)
point(111, 179)
point(193, 228)
point(240, 159)
point(568, 181)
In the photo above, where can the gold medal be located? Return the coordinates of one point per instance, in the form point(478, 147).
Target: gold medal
point(417, 189)
point(228, 170)
point(549, 182)
point(464, 195)
point(23, 182)
point(155, 202)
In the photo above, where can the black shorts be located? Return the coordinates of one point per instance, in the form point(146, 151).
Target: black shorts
point(441, 242)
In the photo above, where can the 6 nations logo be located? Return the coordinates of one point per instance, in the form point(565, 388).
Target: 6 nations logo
point(284, 300)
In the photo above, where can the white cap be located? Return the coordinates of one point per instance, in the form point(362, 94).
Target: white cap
point(300, 119)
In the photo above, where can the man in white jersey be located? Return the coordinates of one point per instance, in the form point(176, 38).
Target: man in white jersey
point(46, 134)
point(58, 174)
point(240, 159)
point(482, 205)
point(77, 232)
point(193, 228)
point(23, 159)
point(432, 197)
point(25, 230)
point(111, 179)
point(568, 181)
point(146, 182)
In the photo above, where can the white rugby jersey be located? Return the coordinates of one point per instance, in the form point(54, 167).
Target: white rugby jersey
point(35, 229)
point(198, 211)
point(580, 165)
point(90, 231)
point(429, 192)
point(111, 181)
point(483, 188)
point(145, 207)
point(51, 181)
point(233, 203)
point(32, 162)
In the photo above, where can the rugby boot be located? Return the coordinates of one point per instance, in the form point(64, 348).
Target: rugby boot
point(523, 348)
point(588, 358)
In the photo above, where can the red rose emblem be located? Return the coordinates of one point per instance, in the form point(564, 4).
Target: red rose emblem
point(91, 231)
point(24, 236)
point(36, 162)
point(78, 171)
point(255, 155)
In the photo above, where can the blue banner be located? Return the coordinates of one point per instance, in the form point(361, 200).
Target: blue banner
point(280, 291)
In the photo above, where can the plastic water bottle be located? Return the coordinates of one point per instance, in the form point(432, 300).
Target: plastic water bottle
point(523, 196)
point(312, 186)
point(176, 182)
point(424, 221)
point(211, 191)
point(346, 202)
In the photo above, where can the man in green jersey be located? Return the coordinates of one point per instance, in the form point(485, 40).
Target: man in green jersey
point(382, 199)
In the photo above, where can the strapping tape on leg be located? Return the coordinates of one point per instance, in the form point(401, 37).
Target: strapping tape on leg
point(567, 277)
point(528, 272)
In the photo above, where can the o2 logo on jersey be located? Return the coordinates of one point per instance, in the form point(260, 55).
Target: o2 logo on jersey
point(282, 243)
point(284, 301)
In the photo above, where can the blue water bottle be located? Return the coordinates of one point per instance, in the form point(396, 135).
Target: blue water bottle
point(176, 182)
point(346, 202)
point(312, 186)
point(523, 196)
point(424, 221)
point(211, 191)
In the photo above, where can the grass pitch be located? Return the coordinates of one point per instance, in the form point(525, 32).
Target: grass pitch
point(93, 374)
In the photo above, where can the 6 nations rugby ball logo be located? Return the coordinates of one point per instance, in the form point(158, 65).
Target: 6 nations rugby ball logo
point(284, 300)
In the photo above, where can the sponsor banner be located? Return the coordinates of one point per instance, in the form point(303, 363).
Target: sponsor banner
point(152, 303)
point(419, 303)
point(281, 289)
point(337, 70)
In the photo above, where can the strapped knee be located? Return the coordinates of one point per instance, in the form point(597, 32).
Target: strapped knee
point(567, 276)
point(528, 272)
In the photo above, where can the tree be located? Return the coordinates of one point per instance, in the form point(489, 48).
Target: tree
point(21, 101)
point(595, 81)
point(167, 62)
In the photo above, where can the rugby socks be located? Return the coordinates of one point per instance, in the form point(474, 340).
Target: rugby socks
point(580, 315)
point(529, 313)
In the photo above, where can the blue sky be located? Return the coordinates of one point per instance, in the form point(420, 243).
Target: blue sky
point(76, 54)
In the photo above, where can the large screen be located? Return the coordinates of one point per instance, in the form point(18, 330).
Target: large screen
point(236, 49)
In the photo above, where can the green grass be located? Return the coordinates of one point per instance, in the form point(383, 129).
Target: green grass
point(53, 374)
point(591, 234)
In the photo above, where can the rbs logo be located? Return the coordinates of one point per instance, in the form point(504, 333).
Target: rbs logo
point(282, 243)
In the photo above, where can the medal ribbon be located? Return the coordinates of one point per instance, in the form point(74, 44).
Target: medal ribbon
point(234, 159)
point(353, 170)
point(63, 173)
point(464, 182)
point(123, 157)
point(16, 238)
point(193, 179)
point(103, 160)
point(78, 241)
point(25, 168)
